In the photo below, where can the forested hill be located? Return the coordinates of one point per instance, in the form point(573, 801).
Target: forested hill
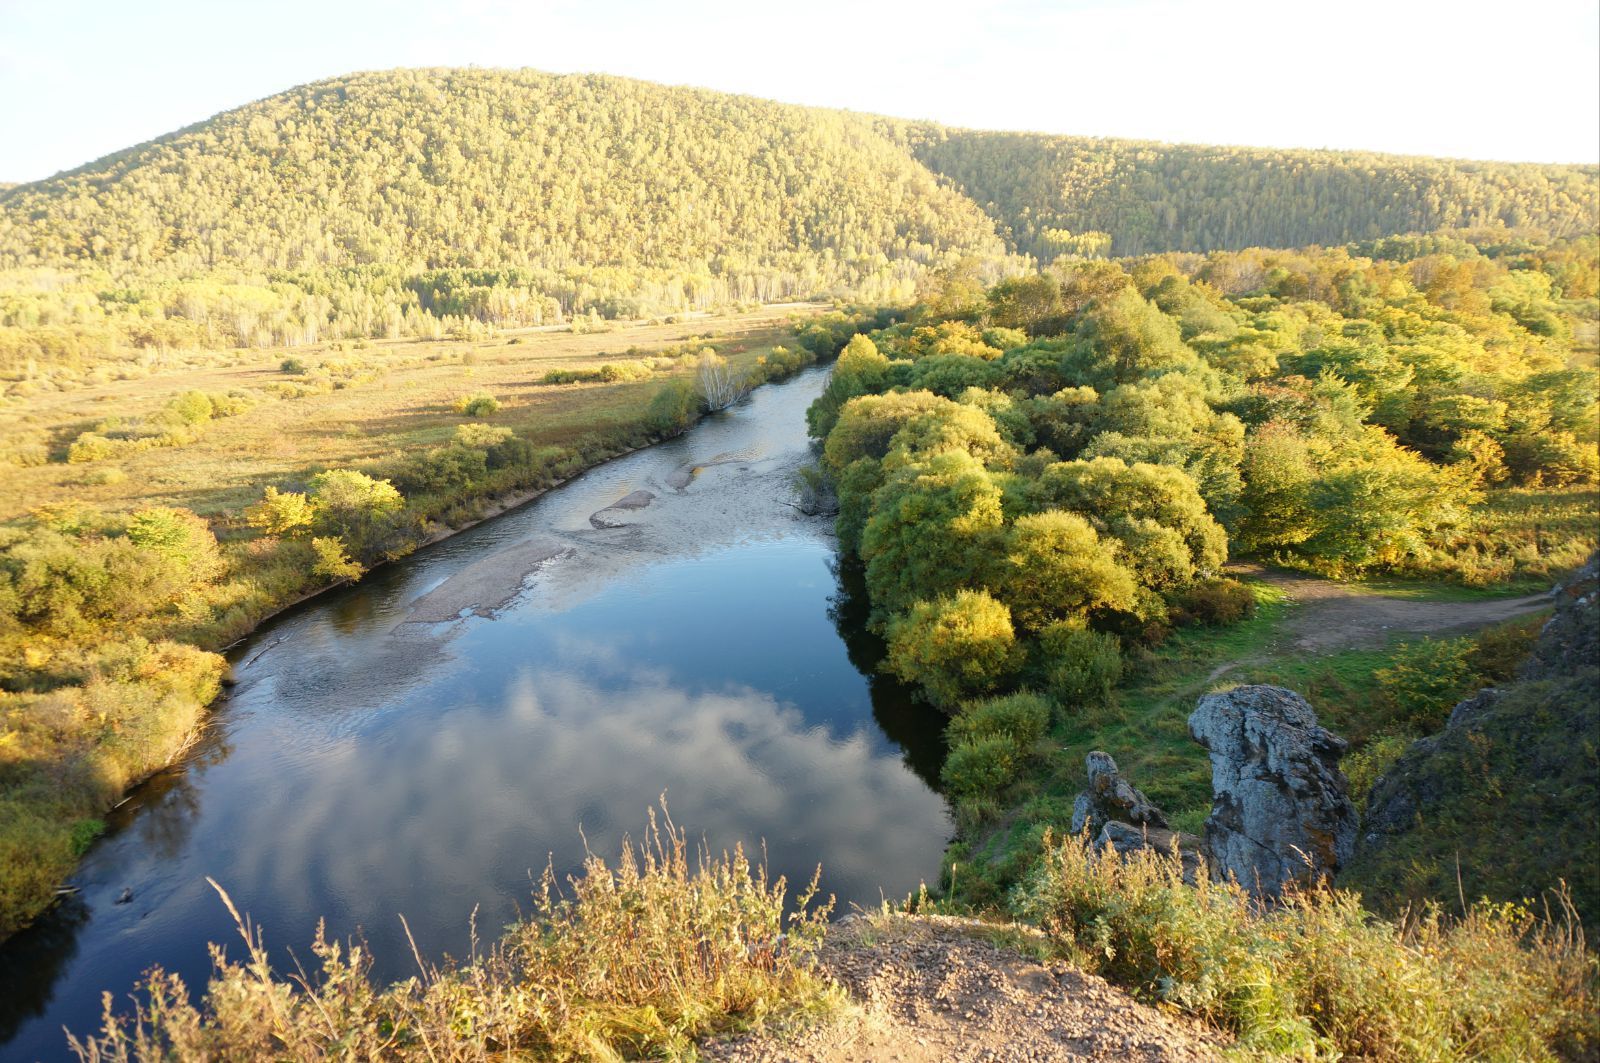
point(1052, 194)
point(490, 168)
point(432, 202)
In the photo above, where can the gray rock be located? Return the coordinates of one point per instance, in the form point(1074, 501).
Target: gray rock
point(1126, 839)
point(1110, 798)
point(1280, 812)
point(1569, 642)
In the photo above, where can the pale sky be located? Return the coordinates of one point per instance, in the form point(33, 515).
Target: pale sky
point(1465, 78)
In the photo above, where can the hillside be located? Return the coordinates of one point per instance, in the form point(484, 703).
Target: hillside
point(1149, 197)
point(426, 203)
point(428, 169)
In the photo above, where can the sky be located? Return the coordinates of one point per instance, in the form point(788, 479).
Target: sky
point(1465, 78)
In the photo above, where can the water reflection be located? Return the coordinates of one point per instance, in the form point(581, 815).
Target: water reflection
point(367, 766)
point(910, 723)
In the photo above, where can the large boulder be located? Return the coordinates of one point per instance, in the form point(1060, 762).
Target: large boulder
point(1280, 812)
point(1111, 798)
point(1126, 839)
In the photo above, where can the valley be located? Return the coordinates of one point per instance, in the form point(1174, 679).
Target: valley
point(625, 570)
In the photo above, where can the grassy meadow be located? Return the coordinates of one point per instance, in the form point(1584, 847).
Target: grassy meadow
point(355, 403)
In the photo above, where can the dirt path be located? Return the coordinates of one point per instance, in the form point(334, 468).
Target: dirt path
point(1327, 617)
point(1332, 616)
point(939, 988)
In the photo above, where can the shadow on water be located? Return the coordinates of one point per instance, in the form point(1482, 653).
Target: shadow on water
point(915, 726)
point(33, 961)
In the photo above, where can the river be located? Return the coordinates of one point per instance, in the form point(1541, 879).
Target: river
point(424, 742)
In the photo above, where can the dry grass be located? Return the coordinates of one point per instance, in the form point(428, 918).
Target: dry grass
point(1318, 978)
point(640, 960)
point(396, 396)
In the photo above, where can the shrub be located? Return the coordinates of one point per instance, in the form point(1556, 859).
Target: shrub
point(954, 647)
point(1499, 651)
point(1425, 682)
point(1080, 666)
point(91, 446)
point(479, 405)
point(1364, 766)
point(191, 408)
point(623, 372)
point(332, 562)
point(1318, 977)
point(1216, 601)
point(570, 376)
point(279, 512)
point(1021, 718)
point(481, 435)
point(179, 536)
point(345, 502)
point(979, 766)
point(674, 408)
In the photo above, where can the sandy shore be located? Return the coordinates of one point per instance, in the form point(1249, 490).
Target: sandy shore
point(486, 585)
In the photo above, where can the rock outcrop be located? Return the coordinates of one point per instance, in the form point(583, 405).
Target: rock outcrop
point(1504, 802)
point(1280, 812)
point(1114, 812)
point(1111, 798)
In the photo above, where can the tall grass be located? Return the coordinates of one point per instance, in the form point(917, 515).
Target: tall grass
point(1319, 978)
point(641, 959)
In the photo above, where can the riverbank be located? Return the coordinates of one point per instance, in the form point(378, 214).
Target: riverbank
point(140, 671)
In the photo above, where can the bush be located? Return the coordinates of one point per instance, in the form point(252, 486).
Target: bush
point(623, 372)
point(1080, 666)
point(674, 408)
point(1215, 601)
point(91, 446)
point(479, 405)
point(570, 376)
point(954, 647)
point(1498, 652)
point(980, 766)
point(1318, 977)
point(1425, 682)
point(1021, 718)
point(332, 562)
point(481, 436)
point(1362, 767)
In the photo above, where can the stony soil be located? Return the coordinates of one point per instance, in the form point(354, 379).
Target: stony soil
point(933, 988)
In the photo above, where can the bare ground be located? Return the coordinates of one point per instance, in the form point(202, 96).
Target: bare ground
point(935, 988)
point(1331, 616)
point(1327, 616)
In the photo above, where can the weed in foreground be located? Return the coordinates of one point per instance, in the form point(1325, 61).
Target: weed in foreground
point(1318, 977)
point(671, 945)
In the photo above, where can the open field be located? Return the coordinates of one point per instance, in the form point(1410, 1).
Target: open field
point(381, 398)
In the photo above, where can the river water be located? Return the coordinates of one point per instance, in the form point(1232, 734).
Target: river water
point(424, 742)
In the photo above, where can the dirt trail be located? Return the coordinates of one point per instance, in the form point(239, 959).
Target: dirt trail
point(939, 988)
point(1331, 616)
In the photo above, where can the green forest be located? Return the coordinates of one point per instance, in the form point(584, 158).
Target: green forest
point(433, 203)
point(1042, 481)
point(1051, 195)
